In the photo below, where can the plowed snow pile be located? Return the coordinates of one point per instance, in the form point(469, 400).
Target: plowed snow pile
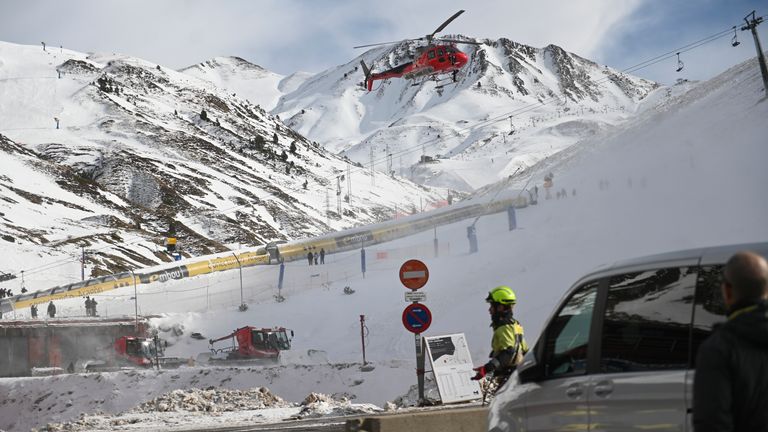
point(212, 400)
point(210, 407)
point(320, 405)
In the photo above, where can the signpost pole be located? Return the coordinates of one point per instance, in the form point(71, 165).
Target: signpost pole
point(420, 366)
point(416, 316)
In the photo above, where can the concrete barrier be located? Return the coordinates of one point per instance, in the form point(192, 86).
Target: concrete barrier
point(453, 420)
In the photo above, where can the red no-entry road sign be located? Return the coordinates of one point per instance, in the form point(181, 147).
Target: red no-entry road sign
point(417, 318)
point(414, 274)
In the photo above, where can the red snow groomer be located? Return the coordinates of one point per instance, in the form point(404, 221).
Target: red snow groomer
point(252, 345)
point(134, 352)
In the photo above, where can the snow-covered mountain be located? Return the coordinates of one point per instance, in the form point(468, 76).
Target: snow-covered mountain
point(247, 80)
point(148, 147)
point(512, 106)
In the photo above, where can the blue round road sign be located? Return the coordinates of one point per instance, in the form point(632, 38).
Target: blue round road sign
point(417, 318)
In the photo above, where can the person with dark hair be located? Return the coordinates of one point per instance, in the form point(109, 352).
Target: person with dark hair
point(310, 257)
point(93, 306)
point(51, 310)
point(322, 255)
point(508, 342)
point(730, 388)
point(87, 306)
point(33, 311)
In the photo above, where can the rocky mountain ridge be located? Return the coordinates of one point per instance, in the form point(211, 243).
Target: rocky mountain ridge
point(158, 152)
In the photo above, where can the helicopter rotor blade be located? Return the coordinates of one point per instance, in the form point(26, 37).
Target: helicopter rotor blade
point(443, 25)
point(459, 41)
point(428, 37)
point(386, 43)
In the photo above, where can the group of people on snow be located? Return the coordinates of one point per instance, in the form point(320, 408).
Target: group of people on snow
point(312, 258)
point(90, 306)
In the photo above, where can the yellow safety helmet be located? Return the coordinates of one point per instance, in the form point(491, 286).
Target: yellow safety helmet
point(502, 295)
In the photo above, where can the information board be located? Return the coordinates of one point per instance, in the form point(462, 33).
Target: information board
point(452, 367)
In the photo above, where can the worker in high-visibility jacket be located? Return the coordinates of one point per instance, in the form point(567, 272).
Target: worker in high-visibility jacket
point(170, 244)
point(508, 343)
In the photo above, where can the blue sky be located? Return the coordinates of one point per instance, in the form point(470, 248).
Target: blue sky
point(286, 36)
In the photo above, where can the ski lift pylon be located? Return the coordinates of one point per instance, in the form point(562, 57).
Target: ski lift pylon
point(734, 39)
point(680, 64)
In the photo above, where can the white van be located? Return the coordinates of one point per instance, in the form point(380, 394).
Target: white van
point(618, 354)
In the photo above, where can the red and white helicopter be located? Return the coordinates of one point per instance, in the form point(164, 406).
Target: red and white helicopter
point(440, 56)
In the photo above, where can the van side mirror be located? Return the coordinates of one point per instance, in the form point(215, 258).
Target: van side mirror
point(530, 370)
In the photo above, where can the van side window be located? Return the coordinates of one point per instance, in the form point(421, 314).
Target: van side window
point(647, 320)
point(709, 308)
point(567, 337)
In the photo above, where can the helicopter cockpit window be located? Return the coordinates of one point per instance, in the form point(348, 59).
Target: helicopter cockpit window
point(431, 54)
point(440, 52)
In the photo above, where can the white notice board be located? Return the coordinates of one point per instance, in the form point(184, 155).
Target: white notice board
point(452, 366)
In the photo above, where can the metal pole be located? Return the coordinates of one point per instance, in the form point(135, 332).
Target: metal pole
point(156, 339)
point(752, 25)
point(362, 257)
point(435, 242)
point(362, 336)
point(419, 366)
point(82, 263)
point(243, 306)
point(135, 301)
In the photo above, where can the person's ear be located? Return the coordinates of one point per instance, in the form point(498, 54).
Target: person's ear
point(727, 290)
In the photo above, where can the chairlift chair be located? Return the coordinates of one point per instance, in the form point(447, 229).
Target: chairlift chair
point(680, 64)
point(734, 39)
